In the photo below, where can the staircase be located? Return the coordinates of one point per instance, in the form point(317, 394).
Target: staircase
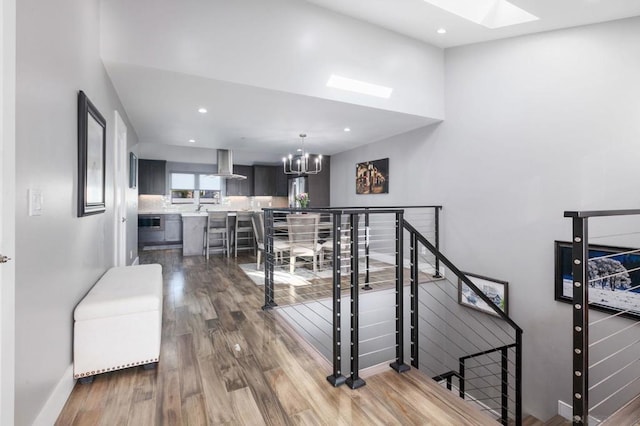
point(477, 347)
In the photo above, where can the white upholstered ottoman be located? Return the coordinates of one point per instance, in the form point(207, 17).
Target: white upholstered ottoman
point(118, 324)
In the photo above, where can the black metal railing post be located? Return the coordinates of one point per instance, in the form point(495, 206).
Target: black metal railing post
point(518, 384)
point(366, 251)
point(399, 364)
point(269, 301)
point(504, 365)
point(415, 347)
point(580, 258)
point(436, 212)
point(354, 381)
point(337, 379)
point(461, 373)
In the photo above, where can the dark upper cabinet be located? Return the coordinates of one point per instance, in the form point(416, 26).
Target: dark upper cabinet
point(270, 181)
point(318, 185)
point(241, 186)
point(282, 183)
point(151, 177)
point(264, 180)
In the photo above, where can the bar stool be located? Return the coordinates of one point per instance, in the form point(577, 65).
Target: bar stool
point(244, 231)
point(217, 230)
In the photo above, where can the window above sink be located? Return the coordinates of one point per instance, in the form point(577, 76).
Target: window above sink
point(195, 188)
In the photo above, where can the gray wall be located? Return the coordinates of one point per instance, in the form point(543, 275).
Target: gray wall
point(534, 126)
point(58, 255)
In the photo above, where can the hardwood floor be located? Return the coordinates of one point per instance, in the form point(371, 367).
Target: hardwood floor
point(225, 361)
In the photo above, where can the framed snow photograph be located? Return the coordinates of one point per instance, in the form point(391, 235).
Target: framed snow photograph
point(614, 278)
point(496, 290)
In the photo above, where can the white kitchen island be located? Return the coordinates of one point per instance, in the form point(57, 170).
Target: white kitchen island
point(193, 225)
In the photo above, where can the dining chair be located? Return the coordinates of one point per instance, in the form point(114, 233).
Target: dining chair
point(217, 230)
point(279, 245)
point(303, 239)
point(345, 250)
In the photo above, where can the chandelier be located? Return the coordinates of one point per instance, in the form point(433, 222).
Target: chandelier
point(298, 164)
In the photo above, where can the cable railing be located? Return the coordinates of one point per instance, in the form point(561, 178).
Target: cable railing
point(324, 292)
point(603, 282)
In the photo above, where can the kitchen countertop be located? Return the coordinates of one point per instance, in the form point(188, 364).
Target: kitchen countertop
point(189, 213)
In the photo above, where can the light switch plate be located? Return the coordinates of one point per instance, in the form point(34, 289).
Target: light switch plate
point(36, 201)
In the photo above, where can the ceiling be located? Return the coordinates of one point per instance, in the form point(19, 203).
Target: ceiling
point(421, 20)
point(259, 119)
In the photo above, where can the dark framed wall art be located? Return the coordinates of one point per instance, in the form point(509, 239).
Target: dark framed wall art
point(372, 177)
point(614, 278)
point(496, 290)
point(91, 157)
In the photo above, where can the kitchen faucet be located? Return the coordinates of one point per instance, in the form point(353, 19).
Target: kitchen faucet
point(199, 207)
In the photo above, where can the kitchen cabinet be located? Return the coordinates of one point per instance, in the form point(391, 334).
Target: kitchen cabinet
point(264, 180)
point(318, 185)
point(241, 186)
point(154, 229)
point(172, 228)
point(270, 181)
point(150, 228)
point(282, 183)
point(152, 177)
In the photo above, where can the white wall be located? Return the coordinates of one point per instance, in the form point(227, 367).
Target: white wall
point(58, 255)
point(536, 125)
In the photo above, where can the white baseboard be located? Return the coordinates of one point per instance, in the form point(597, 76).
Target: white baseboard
point(136, 261)
point(52, 408)
point(565, 410)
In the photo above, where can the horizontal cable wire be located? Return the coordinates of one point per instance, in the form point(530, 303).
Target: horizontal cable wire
point(615, 254)
point(614, 373)
point(296, 308)
point(614, 275)
point(377, 351)
point(612, 235)
point(378, 338)
point(614, 393)
point(446, 351)
point(459, 333)
point(617, 314)
point(330, 350)
point(460, 319)
point(613, 354)
point(614, 334)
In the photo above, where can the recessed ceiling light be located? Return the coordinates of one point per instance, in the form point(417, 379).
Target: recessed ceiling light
point(441, 31)
point(192, 140)
point(488, 13)
point(347, 129)
point(202, 110)
point(358, 86)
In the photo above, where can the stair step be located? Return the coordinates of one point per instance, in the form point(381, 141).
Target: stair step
point(557, 420)
point(532, 421)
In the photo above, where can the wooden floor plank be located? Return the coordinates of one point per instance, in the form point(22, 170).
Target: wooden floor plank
point(245, 409)
point(217, 399)
point(226, 361)
point(169, 406)
point(74, 405)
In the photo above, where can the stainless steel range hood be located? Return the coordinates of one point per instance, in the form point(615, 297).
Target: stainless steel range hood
point(225, 165)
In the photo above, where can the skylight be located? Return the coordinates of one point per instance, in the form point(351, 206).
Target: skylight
point(358, 86)
point(488, 13)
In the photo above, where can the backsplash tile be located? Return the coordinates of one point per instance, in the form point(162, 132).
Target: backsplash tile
point(161, 203)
